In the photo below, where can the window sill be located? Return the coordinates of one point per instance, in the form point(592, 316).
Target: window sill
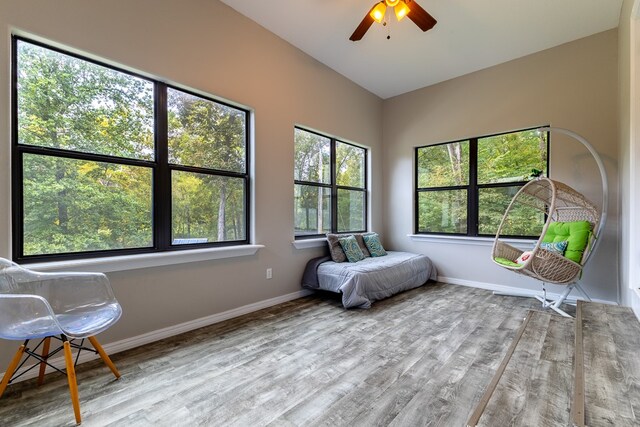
point(524, 244)
point(309, 243)
point(156, 259)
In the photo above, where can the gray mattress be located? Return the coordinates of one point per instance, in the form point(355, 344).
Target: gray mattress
point(373, 279)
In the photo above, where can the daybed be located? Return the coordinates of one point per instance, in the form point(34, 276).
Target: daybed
point(370, 279)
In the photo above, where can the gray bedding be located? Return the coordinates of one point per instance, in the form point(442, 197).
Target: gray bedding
point(373, 279)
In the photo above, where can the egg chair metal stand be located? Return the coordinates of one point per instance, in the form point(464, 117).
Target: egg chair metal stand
point(558, 203)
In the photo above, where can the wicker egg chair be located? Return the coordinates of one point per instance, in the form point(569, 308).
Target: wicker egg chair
point(559, 203)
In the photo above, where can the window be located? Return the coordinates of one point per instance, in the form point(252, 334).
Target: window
point(464, 187)
point(106, 162)
point(330, 187)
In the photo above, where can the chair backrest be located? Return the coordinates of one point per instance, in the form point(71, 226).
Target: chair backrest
point(7, 285)
point(15, 279)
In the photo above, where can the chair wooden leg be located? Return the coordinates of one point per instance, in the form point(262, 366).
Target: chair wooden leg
point(12, 367)
point(104, 356)
point(45, 356)
point(71, 378)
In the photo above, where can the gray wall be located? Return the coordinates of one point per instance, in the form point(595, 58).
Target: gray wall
point(572, 86)
point(205, 45)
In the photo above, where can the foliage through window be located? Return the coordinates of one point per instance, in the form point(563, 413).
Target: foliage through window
point(107, 162)
point(330, 190)
point(464, 187)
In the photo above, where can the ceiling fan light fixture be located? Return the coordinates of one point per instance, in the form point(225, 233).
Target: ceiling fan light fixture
point(401, 10)
point(377, 13)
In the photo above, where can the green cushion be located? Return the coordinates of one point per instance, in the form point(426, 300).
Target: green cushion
point(506, 262)
point(576, 233)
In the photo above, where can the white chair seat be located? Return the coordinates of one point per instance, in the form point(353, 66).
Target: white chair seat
point(81, 324)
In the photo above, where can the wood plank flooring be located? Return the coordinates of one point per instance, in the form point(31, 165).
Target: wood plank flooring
point(423, 357)
point(536, 388)
point(568, 372)
point(611, 338)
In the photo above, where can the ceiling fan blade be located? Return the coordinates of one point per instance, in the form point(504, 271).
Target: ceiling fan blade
point(420, 16)
point(363, 27)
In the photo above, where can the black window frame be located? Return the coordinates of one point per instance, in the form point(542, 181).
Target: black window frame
point(334, 187)
point(161, 215)
point(472, 188)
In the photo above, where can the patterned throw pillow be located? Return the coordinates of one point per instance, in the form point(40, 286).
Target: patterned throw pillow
point(363, 247)
point(372, 241)
point(351, 249)
point(555, 247)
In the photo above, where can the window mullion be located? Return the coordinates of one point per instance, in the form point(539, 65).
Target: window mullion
point(247, 181)
point(312, 184)
point(77, 155)
point(334, 188)
point(346, 187)
point(162, 172)
point(416, 200)
point(472, 193)
point(366, 193)
point(17, 175)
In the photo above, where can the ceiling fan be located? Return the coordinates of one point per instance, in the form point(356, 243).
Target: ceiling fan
point(401, 8)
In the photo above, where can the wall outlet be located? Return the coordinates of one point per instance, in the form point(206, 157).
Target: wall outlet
point(269, 273)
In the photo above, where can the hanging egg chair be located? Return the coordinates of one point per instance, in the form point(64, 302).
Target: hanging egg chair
point(570, 234)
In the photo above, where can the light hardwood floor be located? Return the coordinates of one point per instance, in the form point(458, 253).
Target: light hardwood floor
point(612, 366)
point(423, 357)
point(536, 388)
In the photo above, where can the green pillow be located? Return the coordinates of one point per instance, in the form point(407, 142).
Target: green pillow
point(576, 233)
point(506, 262)
point(351, 249)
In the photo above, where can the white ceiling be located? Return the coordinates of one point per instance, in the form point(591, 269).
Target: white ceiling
point(470, 35)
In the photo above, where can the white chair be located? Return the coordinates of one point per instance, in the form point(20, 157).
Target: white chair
point(58, 306)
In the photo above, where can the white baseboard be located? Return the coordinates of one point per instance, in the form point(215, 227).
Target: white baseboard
point(149, 337)
point(515, 290)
